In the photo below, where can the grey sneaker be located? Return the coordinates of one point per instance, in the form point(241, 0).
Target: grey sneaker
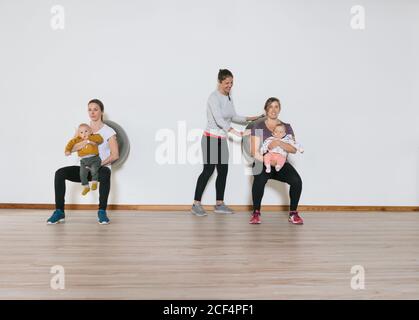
point(222, 208)
point(198, 210)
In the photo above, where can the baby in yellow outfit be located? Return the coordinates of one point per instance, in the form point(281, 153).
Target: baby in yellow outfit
point(89, 155)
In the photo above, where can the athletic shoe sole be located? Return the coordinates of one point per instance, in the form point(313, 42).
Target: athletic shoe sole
point(296, 223)
point(199, 214)
point(59, 221)
point(223, 212)
point(103, 222)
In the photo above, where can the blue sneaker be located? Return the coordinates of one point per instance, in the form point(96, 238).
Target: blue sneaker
point(102, 217)
point(57, 217)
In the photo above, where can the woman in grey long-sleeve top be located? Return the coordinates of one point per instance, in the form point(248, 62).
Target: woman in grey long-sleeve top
point(220, 114)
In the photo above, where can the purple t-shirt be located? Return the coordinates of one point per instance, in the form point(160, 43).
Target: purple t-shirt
point(261, 130)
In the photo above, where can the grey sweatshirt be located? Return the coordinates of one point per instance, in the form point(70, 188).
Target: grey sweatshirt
point(220, 114)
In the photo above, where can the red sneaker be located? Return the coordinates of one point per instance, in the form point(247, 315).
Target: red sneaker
point(255, 218)
point(294, 218)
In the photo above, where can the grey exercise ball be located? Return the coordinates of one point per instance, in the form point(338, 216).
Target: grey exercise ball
point(247, 139)
point(123, 143)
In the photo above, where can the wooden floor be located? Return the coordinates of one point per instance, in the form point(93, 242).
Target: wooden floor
point(175, 255)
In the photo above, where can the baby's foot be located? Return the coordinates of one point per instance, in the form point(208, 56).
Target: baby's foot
point(85, 190)
point(268, 169)
point(94, 185)
point(277, 168)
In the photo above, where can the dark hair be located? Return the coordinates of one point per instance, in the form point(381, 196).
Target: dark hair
point(270, 101)
point(224, 74)
point(100, 104)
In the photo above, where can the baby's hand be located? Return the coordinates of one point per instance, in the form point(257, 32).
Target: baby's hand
point(67, 153)
point(84, 143)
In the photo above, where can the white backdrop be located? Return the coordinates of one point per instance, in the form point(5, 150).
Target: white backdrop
point(351, 95)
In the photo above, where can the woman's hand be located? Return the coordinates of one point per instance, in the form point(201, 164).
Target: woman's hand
point(79, 146)
point(247, 132)
point(92, 142)
point(258, 156)
point(235, 132)
point(275, 143)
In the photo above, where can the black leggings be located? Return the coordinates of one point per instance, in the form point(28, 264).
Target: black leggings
point(72, 173)
point(288, 175)
point(215, 155)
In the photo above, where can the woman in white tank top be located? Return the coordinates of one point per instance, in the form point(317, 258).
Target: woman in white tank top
point(108, 152)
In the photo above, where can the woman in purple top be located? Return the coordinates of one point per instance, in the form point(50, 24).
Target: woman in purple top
point(259, 133)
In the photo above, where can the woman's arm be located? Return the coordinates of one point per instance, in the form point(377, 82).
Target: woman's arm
point(75, 145)
point(254, 148)
point(254, 118)
point(96, 138)
point(113, 145)
point(214, 107)
point(286, 146)
point(265, 145)
point(244, 120)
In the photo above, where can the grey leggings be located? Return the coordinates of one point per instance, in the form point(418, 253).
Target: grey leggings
point(91, 164)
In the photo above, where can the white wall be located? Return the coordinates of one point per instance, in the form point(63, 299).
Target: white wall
point(351, 95)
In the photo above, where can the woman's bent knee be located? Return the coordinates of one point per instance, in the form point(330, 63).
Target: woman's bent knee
point(60, 173)
point(296, 181)
point(104, 174)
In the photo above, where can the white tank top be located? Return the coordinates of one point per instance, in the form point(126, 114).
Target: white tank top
point(104, 150)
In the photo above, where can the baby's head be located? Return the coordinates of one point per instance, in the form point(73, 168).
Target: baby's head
point(84, 131)
point(279, 131)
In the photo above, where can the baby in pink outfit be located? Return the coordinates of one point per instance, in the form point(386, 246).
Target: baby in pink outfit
point(277, 155)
